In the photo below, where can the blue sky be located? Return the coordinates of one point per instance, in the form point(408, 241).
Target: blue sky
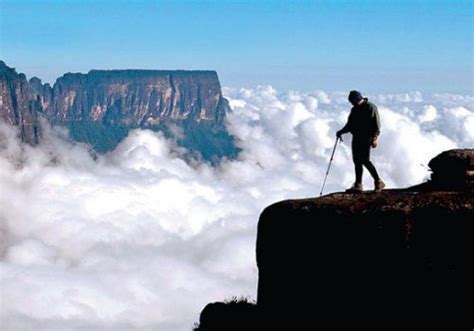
point(305, 45)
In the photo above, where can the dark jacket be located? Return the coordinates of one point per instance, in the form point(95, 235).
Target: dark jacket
point(363, 122)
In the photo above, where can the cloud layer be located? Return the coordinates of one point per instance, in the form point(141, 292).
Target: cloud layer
point(137, 239)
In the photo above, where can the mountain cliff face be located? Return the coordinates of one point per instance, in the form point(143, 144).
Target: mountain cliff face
point(40, 95)
point(401, 258)
point(100, 107)
point(138, 97)
point(15, 106)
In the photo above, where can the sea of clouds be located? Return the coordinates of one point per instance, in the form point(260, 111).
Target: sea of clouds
point(138, 239)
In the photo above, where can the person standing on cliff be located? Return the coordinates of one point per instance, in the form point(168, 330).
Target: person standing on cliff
point(364, 124)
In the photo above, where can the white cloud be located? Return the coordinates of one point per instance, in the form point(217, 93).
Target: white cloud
point(138, 239)
point(429, 114)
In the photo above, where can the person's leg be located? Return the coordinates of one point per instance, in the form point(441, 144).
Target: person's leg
point(358, 172)
point(364, 155)
point(357, 157)
point(370, 166)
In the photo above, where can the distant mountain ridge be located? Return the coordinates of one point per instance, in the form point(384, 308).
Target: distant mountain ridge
point(100, 107)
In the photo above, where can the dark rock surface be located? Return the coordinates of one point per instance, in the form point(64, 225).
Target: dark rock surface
point(453, 170)
point(234, 315)
point(400, 258)
point(100, 107)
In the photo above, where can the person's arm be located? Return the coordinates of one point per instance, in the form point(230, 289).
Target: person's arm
point(347, 128)
point(376, 121)
point(375, 125)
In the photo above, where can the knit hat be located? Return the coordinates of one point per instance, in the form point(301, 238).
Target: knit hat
point(355, 97)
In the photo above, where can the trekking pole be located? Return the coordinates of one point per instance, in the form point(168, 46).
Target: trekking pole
point(329, 166)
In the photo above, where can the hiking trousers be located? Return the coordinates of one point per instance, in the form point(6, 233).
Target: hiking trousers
point(361, 157)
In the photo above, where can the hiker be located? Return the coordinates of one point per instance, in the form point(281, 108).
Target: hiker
point(364, 124)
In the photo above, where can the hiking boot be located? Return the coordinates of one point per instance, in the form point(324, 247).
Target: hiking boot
point(356, 188)
point(379, 185)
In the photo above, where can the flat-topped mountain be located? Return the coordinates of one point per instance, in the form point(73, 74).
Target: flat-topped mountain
point(138, 97)
point(100, 107)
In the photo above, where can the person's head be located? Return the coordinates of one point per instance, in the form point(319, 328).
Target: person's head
point(355, 97)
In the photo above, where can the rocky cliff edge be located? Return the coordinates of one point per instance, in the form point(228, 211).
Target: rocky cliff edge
point(400, 258)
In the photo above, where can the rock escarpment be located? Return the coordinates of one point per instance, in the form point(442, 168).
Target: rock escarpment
point(15, 106)
point(140, 97)
point(401, 258)
point(100, 107)
point(40, 94)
